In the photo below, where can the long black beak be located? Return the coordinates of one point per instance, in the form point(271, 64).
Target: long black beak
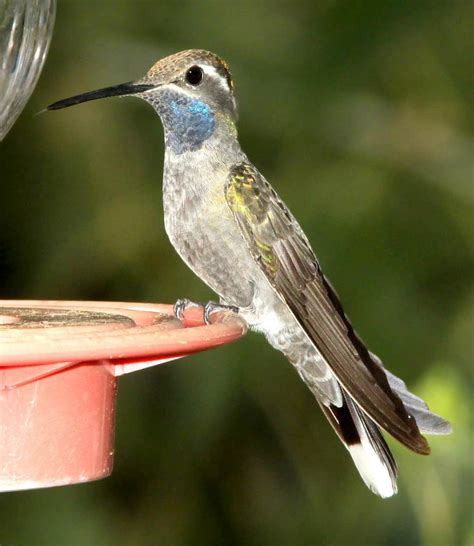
point(129, 88)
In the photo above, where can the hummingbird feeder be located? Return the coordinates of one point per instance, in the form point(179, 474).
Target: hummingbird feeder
point(59, 364)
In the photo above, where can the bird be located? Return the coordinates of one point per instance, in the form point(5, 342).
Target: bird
point(233, 230)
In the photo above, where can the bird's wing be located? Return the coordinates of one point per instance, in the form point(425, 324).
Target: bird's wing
point(283, 253)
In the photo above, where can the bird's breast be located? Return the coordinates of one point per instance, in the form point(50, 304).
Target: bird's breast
point(203, 231)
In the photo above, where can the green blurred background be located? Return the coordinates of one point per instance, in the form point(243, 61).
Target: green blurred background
point(361, 117)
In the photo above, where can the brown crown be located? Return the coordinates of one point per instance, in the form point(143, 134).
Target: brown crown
point(175, 64)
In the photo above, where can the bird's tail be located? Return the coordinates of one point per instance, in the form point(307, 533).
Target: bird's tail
point(427, 421)
point(364, 441)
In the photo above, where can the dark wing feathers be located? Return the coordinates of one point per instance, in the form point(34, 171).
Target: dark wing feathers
point(278, 244)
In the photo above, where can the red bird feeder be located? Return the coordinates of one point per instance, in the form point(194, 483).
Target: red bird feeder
point(59, 363)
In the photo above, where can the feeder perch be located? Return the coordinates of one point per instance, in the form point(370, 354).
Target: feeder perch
point(59, 364)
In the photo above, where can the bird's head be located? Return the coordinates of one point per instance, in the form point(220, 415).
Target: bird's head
point(189, 90)
point(193, 75)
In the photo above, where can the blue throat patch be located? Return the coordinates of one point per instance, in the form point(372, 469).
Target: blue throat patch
point(188, 122)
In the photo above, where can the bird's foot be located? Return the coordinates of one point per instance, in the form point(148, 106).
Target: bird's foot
point(213, 307)
point(182, 305)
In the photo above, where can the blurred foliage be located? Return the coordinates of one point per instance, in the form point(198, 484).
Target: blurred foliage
point(360, 114)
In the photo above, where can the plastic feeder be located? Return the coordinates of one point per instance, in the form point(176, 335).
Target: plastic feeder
point(26, 28)
point(59, 363)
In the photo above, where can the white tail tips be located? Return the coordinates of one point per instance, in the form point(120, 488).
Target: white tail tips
point(378, 477)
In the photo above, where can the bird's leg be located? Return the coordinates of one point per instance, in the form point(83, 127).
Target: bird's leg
point(213, 307)
point(182, 305)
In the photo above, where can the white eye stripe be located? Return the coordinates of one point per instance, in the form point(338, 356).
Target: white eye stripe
point(213, 73)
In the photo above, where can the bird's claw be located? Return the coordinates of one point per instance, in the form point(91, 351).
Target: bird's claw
point(213, 307)
point(182, 305)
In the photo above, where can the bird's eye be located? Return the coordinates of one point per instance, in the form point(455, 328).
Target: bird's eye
point(194, 75)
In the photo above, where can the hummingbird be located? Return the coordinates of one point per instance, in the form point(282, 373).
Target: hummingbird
point(232, 229)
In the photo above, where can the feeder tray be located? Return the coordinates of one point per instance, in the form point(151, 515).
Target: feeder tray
point(59, 363)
